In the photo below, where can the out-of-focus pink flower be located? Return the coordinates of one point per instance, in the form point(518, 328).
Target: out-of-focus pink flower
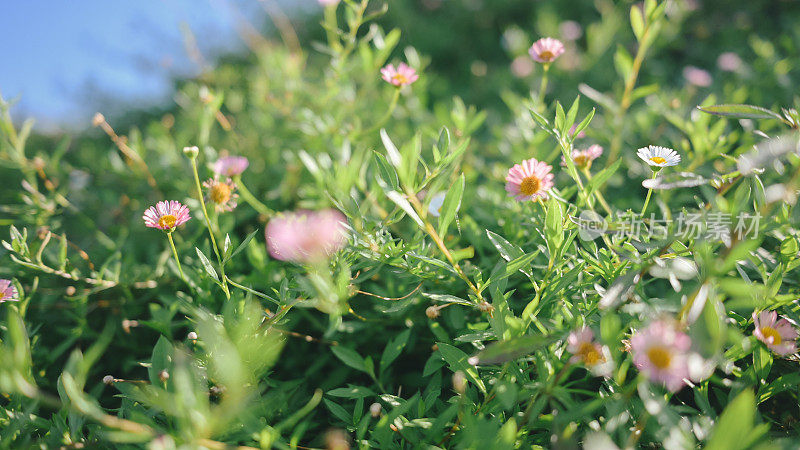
point(166, 215)
point(661, 352)
point(521, 67)
point(583, 158)
point(696, 76)
point(546, 50)
point(529, 180)
point(221, 193)
point(328, 2)
point(230, 166)
point(403, 75)
point(306, 236)
point(570, 30)
point(8, 293)
point(778, 334)
point(591, 354)
point(729, 61)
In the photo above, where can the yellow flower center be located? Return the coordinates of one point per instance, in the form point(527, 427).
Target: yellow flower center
point(220, 193)
point(771, 334)
point(530, 185)
point(2, 295)
point(589, 354)
point(399, 78)
point(658, 160)
point(659, 356)
point(546, 55)
point(582, 161)
point(167, 221)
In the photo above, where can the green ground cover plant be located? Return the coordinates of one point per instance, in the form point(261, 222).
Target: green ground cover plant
point(559, 225)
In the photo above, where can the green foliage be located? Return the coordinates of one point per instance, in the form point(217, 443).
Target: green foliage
point(446, 326)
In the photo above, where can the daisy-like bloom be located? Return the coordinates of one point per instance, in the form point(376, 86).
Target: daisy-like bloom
point(306, 236)
point(529, 180)
point(401, 76)
point(778, 334)
point(659, 157)
point(661, 352)
point(231, 166)
point(583, 158)
point(8, 293)
point(166, 215)
point(591, 354)
point(546, 50)
point(221, 193)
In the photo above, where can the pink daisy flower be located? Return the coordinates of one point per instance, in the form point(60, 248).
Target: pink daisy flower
point(529, 180)
point(661, 352)
point(8, 293)
point(403, 75)
point(166, 215)
point(221, 193)
point(591, 354)
point(583, 158)
point(697, 76)
point(546, 50)
point(306, 236)
point(777, 334)
point(231, 166)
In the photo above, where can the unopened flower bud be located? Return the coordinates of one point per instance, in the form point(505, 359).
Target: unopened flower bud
point(375, 410)
point(191, 152)
point(128, 324)
point(432, 312)
point(336, 440)
point(163, 376)
point(108, 379)
point(486, 307)
point(98, 120)
point(71, 291)
point(459, 382)
point(192, 336)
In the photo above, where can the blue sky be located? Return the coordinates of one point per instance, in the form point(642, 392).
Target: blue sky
point(60, 58)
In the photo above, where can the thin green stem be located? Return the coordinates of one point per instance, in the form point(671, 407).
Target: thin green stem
point(208, 225)
point(543, 85)
point(598, 195)
point(649, 193)
point(175, 254)
point(251, 200)
point(386, 116)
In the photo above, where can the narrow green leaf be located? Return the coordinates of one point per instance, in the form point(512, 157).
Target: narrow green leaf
point(207, 265)
point(401, 201)
point(740, 111)
point(451, 205)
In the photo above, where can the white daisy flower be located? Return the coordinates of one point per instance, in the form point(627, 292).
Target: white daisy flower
point(659, 156)
point(435, 206)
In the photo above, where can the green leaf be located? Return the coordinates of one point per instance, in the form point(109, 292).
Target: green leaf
point(451, 205)
point(350, 357)
point(241, 246)
point(741, 111)
point(637, 22)
point(207, 265)
point(735, 425)
point(401, 201)
point(351, 392)
point(338, 411)
point(500, 352)
point(456, 359)
point(554, 225)
point(393, 349)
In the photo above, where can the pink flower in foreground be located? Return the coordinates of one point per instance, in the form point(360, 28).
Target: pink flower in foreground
point(166, 215)
point(546, 50)
point(8, 293)
point(583, 158)
point(529, 180)
point(328, 2)
point(591, 354)
point(661, 352)
point(230, 166)
point(401, 76)
point(778, 334)
point(221, 193)
point(306, 236)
